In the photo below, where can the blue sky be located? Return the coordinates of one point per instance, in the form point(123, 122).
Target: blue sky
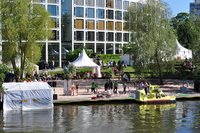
point(178, 6)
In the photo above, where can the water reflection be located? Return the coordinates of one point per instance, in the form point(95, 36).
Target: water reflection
point(118, 118)
point(30, 121)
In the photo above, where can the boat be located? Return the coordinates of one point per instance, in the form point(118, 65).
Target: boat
point(154, 96)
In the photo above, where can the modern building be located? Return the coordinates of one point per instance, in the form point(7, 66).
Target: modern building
point(98, 25)
point(195, 8)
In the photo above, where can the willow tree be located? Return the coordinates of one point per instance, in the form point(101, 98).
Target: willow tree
point(23, 25)
point(153, 40)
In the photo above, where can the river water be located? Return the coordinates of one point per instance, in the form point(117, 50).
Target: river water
point(181, 117)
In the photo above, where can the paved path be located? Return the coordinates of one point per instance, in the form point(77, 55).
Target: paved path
point(170, 87)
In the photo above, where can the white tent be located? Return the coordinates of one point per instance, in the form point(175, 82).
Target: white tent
point(83, 61)
point(182, 53)
point(30, 95)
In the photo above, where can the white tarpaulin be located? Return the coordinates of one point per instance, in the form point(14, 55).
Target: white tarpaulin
point(30, 95)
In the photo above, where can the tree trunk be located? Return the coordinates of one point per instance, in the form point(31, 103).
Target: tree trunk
point(67, 89)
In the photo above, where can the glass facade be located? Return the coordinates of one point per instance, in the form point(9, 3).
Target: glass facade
point(90, 2)
point(100, 3)
point(79, 11)
point(97, 22)
point(118, 4)
point(90, 12)
point(100, 13)
point(79, 36)
point(118, 15)
point(100, 36)
point(90, 24)
point(110, 36)
point(110, 3)
point(100, 25)
point(110, 14)
point(79, 2)
point(110, 25)
point(53, 10)
point(90, 36)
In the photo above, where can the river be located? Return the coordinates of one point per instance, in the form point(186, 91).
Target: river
point(181, 117)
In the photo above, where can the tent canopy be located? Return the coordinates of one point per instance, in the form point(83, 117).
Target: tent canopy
point(30, 95)
point(182, 53)
point(84, 61)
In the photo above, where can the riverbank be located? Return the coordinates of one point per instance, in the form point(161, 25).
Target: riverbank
point(170, 87)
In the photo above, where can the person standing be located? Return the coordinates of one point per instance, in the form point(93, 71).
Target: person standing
point(53, 65)
point(96, 88)
point(115, 86)
point(77, 89)
point(93, 87)
point(124, 85)
point(106, 85)
point(72, 89)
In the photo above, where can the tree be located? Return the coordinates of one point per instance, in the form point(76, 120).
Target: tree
point(187, 29)
point(24, 23)
point(3, 69)
point(68, 74)
point(153, 42)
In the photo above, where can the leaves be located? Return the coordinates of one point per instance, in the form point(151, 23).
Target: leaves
point(23, 24)
point(153, 38)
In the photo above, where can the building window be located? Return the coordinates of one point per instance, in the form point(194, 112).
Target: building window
point(90, 36)
point(100, 25)
point(125, 27)
point(90, 2)
point(90, 12)
point(90, 24)
point(52, 1)
point(118, 37)
point(79, 35)
point(55, 23)
point(110, 36)
point(118, 15)
point(126, 37)
point(118, 26)
point(124, 15)
point(52, 9)
point(118, 4)
point(79, 24)
point(100, 13)
point(125, 5)
point(55, 35)
point(110, 3)
point(79, 11)
point(110, 25)
point(100, 3)
point(100, 36)
point(79, 2)
point(110, 14)
point(133, 4)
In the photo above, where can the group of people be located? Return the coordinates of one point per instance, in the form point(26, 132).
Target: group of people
point(74, 88)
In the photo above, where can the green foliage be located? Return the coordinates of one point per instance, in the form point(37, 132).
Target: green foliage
point(3, 68)
point(108, 74)
point(187, 29)
point(68, 73)
point(107, 57)
point(22, 27)
point(154, 42)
